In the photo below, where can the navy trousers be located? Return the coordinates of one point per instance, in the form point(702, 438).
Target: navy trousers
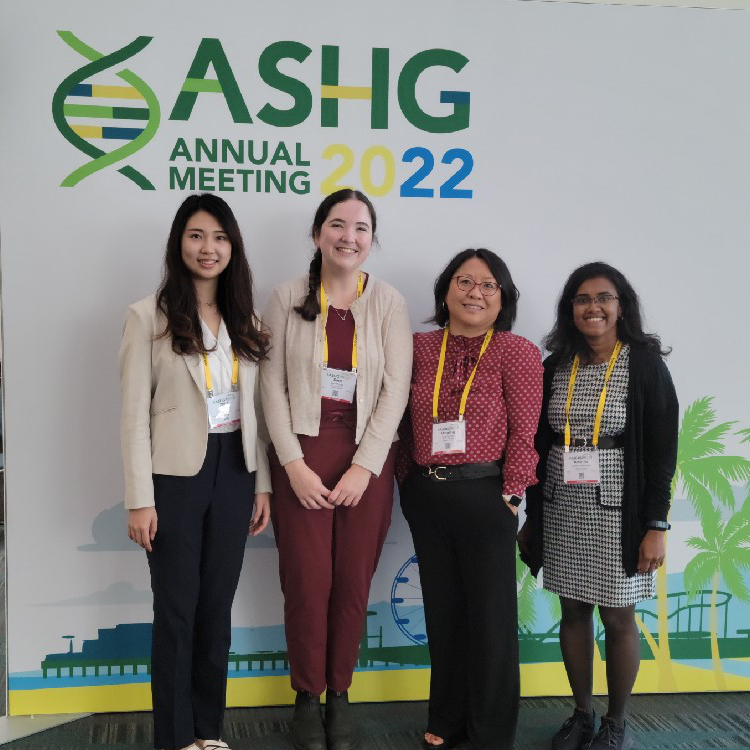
point(195, 566)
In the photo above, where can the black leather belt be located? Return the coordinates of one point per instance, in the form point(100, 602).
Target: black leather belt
point(440, 473)
point(605, 441)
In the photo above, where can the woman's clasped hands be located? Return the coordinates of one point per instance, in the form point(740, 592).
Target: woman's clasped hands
point(314, 495)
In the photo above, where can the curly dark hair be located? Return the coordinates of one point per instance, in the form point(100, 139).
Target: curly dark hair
point(177, 299)
point(509, 292)
point(565, 340)
point(309, 307)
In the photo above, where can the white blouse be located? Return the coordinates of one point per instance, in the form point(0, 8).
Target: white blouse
point(220, 364)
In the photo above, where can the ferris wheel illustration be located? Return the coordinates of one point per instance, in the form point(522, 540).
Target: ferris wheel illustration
point(407, 606)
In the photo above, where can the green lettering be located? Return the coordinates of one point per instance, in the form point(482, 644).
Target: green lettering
point(245, 174)
point(251, 153)
point(298, 160)
point(281, 154)
point(269, 72)
point(208, 151)
point(206, 178)
point(329, 76)
point(180, 151)
point(186, 182)
point(299, 183)
point(407, 99)
point(238, 154)
point(226, 180)
point(210, 52)
point(279, 184)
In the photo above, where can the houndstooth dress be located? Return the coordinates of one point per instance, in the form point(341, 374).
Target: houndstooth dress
point(582, 523)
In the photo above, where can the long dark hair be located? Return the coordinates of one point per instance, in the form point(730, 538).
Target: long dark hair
point(309, 307)
point(565, 340)
point(177, 299)
point(509, 293)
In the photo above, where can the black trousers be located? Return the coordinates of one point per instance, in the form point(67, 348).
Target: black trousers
point(195, 566)
point(465, 540)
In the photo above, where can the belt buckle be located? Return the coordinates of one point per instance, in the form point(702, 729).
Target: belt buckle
point(434, 472)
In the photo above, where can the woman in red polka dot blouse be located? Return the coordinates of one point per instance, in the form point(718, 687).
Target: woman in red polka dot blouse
point(467, 456)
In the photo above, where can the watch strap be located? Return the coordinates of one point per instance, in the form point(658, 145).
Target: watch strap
point(658, 525)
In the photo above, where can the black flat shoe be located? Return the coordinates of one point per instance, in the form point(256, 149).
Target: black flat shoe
point(576, 732)
point(341, 727)
point(611, 736)
point(308, 732)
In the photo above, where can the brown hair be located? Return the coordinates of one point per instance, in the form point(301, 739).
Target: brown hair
point(309, 307)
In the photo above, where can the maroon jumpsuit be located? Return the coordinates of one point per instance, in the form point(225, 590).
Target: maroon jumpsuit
point(327, 558)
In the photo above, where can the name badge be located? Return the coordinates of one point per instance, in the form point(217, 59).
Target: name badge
point(224, 409)
point(449, 437)
point(581, 467)
point(338, 385)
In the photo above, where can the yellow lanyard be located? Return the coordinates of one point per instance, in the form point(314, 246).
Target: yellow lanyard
point(602, 395)
point(324, 312)
point(467, 387)
point(235, 373)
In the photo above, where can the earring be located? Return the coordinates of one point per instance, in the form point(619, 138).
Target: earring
point(445, 307)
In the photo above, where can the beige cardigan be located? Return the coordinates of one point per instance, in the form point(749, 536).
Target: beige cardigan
point(290, 376)
point(163, 422)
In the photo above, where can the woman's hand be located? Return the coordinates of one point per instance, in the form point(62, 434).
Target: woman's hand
point(142, 526)
point(512, 508)
point(524, 538)
point(306, 484)
point(651, 552)
point(351, 486)
point(261, 513)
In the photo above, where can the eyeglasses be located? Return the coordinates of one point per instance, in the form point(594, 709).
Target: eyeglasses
point(487, 288)
point(582, 300)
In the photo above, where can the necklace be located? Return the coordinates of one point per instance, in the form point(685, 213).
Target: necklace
point(332, 303)
point(208, 304)
point(343, 317)
point(332, 306)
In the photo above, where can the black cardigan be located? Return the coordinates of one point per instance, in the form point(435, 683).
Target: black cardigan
point(650, 455)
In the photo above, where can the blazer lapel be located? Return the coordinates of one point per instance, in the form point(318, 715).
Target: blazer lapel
point(247, 394)
point(195, 366)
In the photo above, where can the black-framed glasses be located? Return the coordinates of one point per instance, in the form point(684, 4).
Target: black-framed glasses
point(582, 300)
point(486, 288)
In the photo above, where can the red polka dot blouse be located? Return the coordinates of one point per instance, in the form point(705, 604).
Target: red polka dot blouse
point(502, 411)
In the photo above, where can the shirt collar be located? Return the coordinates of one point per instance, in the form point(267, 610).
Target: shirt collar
point(210, 341)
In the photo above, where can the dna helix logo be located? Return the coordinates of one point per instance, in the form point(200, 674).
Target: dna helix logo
point(70, 102)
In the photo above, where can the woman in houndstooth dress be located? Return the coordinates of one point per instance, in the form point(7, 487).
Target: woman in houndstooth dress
point(601, 542)
point(583, 523)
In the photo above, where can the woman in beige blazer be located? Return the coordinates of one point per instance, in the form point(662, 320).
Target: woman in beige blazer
point(334, 387)
point(196, 471)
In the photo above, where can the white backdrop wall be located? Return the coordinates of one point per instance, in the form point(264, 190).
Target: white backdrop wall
point(615, 133)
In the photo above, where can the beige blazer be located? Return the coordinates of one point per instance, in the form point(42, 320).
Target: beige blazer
point(290, 376)
point(163, 417)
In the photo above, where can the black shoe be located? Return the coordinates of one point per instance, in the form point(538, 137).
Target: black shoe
point(308, 732)
point(341, 728)
point(576, 731)
point(611, 736)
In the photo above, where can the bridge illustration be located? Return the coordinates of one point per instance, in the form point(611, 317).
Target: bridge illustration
point(125, 650)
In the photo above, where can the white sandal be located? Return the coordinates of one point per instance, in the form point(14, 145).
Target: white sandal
point(215, 745)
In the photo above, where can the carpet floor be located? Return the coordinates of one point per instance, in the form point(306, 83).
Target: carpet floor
point(665, 722)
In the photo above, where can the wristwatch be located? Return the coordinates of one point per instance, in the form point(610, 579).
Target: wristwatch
point(658, 525)
point(514, 500)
